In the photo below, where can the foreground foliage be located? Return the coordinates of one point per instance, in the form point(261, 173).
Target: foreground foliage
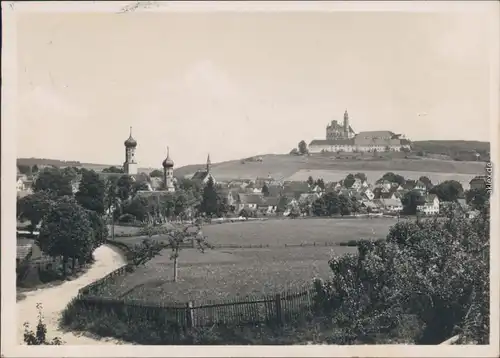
point(40, 336)
point(428, 281)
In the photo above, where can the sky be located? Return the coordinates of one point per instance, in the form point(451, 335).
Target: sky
point(241, 84)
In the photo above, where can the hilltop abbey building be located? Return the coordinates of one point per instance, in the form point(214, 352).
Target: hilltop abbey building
point(342, 138)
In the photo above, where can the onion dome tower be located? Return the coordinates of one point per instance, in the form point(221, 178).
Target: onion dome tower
point(130, 165)
point(168, 173)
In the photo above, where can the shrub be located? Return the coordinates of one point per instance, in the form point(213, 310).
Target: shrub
point(127, 218)
point(432, 273)
point(40, 336)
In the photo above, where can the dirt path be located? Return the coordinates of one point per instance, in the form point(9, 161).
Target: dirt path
point(55, 299)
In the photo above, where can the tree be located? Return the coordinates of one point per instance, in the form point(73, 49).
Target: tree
point(360, 176)
point(282, 204)
point(125, 186)
point(99, 229)
point(223, 205)
point(156, 174)
point(265, 190)
point(294, 151)
point(294, 212)
point(40, 336)
point(140, 186)
point(176, 239)
point(349, 181)
point(24, 169)
point(310, 181)
point(302, 147)
point(427, 280)
point(189, 185)
point(67, 231)
point(33, 208)
point(53, 181)
point(426, 181)
point(345, 205)
point(34, 169)
point(327, 205)
point(113, 169)
point(477, 198)
point(411, 200)
point(449, 190)
point(393, 178)
point(209, 204)
point(138, 207)
point(91, 192)
point(320, 183)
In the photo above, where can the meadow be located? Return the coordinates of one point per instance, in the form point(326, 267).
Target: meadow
point(286, 166)
point(219, 274)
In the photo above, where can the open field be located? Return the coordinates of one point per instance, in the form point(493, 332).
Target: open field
point(277, 233)
point(218, 274)
point(225, 274)
point(286, 166)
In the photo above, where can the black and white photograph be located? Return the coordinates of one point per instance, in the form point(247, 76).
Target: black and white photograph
point(307, 178)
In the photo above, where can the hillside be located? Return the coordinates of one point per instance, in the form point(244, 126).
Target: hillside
point(70, 163)
point(438, 159)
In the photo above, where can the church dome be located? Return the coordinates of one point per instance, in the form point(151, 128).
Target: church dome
point(130, 142)
point(168, 163)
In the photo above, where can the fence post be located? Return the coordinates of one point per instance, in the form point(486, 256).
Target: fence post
point(277, 303)
point(189, 314)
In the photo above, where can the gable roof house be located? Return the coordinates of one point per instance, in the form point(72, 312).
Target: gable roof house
point(367, 193)
point(370, 206)
point(478, 182)
point(248, 202)
point(296, 187)
point(392, 205)
point(268, 205)
point(430, 206)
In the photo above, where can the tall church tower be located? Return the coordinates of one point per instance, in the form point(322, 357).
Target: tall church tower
point(209, 164)
point(168, 173)
point(130, 165)
point(346, 125)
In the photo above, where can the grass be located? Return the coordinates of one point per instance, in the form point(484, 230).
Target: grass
point(285, 166)
point(220, 274)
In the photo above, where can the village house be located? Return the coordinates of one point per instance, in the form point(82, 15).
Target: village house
point(370, 206)
point(367, 193)
point(248, 202)
point(420, 186)
point(391, 205)
point(268, 205)
point(431, 205)
point(383, 184)
point(478, 182)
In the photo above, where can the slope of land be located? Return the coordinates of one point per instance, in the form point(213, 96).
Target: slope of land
point(447, 156)
point(287, 166)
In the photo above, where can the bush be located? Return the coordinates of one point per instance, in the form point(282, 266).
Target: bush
point(127, 218)
point(40, 336)
point(433, 273)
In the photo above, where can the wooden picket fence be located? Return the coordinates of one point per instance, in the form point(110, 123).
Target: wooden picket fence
point(94, 287)
point(277, 309)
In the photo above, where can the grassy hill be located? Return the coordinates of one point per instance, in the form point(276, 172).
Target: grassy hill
point(70, 163)
point(287, 166)
point(439, 157)
point(445, 157)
